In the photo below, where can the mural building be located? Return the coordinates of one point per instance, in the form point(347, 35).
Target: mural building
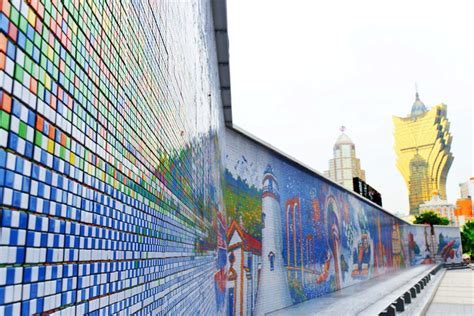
point(124, 187)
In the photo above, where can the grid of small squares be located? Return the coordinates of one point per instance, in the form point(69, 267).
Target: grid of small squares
point(101, 164)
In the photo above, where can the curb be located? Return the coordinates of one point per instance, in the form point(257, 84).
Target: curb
point(432, 294)
point(409, 296)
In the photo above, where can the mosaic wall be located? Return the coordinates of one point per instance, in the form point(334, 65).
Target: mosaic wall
point(311, 237)
point(448, 242)
point(109, 162)
point(114, 195)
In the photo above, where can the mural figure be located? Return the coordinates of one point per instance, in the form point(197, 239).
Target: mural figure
point(449, 246)
point(361, 257)
point(428, 254)
point(271, 258)
point(379, 253)
point(334, 237)
point(323, 276)
point(273, 272)
point(344, 267)
point(396, 247)
point(447, 252)
point(414, 249)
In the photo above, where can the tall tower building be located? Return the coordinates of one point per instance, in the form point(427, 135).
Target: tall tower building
point(345, 165)
point(273, 290)
point(422, 145)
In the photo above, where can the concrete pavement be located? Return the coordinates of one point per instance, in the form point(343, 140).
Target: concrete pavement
point(367, 298)
point(455, 294)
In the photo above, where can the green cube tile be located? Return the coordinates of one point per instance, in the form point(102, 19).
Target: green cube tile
point(62, 151)
point(14, 15)
point(40, 89)
point(28, 65)
point(4, 120)
point(29, 47)
point(22, 130)
point(23, 24)
point(38, 138)
point(19, 73)
point(37, 40)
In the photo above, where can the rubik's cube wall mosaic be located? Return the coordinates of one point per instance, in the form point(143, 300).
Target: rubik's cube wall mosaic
point(121, 191)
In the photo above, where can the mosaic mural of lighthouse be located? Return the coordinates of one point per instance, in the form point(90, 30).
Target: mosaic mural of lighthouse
point(273, 292)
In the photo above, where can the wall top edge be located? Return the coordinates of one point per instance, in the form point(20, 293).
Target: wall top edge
point(300, 164)
point(219, 18)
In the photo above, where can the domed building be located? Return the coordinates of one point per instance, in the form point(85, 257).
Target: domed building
point(418, 106)
point(439, 206)
point(345, 165)
point(423, 149)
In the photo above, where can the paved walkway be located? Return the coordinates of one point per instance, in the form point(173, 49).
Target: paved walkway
point(367, 298)
point(455, 294)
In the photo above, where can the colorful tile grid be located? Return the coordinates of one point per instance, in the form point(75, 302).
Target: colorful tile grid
point(106, 171)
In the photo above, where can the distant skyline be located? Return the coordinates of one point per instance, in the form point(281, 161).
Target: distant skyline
point(301, 69)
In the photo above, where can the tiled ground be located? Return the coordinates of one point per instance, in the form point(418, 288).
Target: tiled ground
point(455, 295)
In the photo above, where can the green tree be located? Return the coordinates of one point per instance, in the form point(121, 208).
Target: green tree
point(467, 237)
point(431, 218)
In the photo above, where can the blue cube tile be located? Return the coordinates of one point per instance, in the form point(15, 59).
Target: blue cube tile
point(11, 272)
point(16, 199)
point(29, 149)
point(2, 177)
point(20, 255)
point(30, 239)
point(25, 308)
point(3, 158)
point(9, 178)
point(6, 218)
point(19, 165)
point(41, 273)
point(32, 204)
point(35, 171)
point(11, 50)
point(13, 141)
point(13, 236)
point(40, 305)
point(44, 240)
point(49, 255)
point(43, 157)
point(23, 220)
point(21, 40)
point(2, 295)
point(27, 272)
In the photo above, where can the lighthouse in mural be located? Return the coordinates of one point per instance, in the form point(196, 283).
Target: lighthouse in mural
point(273, 291)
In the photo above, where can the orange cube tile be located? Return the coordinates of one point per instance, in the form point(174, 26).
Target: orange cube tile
point(39, 123)
point(3, 43)
point(6, 102)
point(2, 61)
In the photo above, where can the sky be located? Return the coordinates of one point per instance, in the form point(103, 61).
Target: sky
point(301, 69)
